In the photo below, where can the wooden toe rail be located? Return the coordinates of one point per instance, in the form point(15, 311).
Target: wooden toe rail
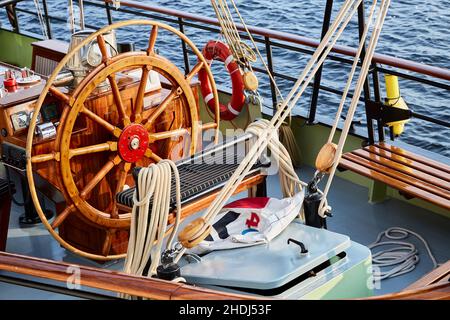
point(110, 280)
point(413, 175)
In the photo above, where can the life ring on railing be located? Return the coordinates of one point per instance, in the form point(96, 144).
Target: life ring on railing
point(216, 50)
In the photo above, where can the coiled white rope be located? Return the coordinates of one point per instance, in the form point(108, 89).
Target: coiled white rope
point(147, 234)
point(403, 256)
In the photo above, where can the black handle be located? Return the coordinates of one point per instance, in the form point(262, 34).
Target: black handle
point(302, 246)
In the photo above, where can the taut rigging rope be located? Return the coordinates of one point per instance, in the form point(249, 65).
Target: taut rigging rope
point(381, 16)
point(230, 32)
point(41, 18)
point(197, 230)
point(286, 135)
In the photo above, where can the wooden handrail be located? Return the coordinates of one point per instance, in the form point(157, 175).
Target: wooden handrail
point(159, 289)
point(438, 275)
point(110, 280)
point(400, 63)
point(440, 291)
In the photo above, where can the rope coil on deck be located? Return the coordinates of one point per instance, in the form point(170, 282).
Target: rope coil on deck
point(403, 256)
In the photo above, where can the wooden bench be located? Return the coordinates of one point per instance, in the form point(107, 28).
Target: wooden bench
point(413, 175)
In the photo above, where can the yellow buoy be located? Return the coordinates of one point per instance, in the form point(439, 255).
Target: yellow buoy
point(393, 99)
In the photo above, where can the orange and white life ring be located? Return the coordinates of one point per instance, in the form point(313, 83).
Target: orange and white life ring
point(216, 50)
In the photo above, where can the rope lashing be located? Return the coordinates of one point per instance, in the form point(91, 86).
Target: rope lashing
point(286, 135)
point(379, 22)
point(290, 184)
point(347, 11)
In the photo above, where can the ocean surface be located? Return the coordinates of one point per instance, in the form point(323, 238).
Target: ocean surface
point(417, 30)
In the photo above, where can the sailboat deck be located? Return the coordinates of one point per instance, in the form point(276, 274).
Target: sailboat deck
point(353, 216)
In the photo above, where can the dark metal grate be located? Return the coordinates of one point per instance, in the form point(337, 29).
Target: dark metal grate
point(201, 174)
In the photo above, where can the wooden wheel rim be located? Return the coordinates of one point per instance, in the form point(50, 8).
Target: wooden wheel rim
point(40, 101)
point(158, 64)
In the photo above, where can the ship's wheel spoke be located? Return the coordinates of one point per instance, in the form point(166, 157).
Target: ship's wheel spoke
point(105, 124)
point(107, 146)
point(108, 241)
point(102, 46)
point(99, 176)
point(209, 125)
point(59, 95)
point(151, 155)
point(194, 71)
point(168, 134)
point(46, 157)
point(62, 216)
point(125, 168)
point(160, 109)
point(118, 100)
point(152, 40)
point(140, 95)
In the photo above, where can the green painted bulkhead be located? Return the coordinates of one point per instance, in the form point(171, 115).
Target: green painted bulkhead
point(16, 49)
point(310, 138)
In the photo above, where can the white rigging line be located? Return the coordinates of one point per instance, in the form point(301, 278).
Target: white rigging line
point(148, 230)
point(81, 4)
point(381, 16)
point(71, 17)
point(41, 19)
point(255, 46)
point(347, 11)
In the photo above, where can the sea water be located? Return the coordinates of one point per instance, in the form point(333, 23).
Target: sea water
point(416, 30)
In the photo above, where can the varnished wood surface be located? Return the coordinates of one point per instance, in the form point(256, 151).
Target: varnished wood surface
point(409, 162)
point(412, 174)
point(417, 157)
point(22, 93)
point(159, 289)
point(437, 276)
point(110, 280)
point(440, 291)
point(107, 218)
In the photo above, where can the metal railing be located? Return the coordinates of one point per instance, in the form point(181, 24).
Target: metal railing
point(381, 64)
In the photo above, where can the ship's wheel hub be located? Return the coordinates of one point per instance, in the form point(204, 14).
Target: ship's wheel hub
point(133, 142)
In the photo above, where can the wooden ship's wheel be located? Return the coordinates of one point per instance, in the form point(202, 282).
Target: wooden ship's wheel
point(93, 164)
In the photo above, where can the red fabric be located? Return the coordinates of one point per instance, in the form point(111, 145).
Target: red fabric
point(250, 203)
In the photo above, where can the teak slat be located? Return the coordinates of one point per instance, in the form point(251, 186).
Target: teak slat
point(110, 280)
point(403, 168)
point(409, 180)
point(409, 162)
point(439, 291)
point(397, 184)
point(435, 276)
point(416, 157)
